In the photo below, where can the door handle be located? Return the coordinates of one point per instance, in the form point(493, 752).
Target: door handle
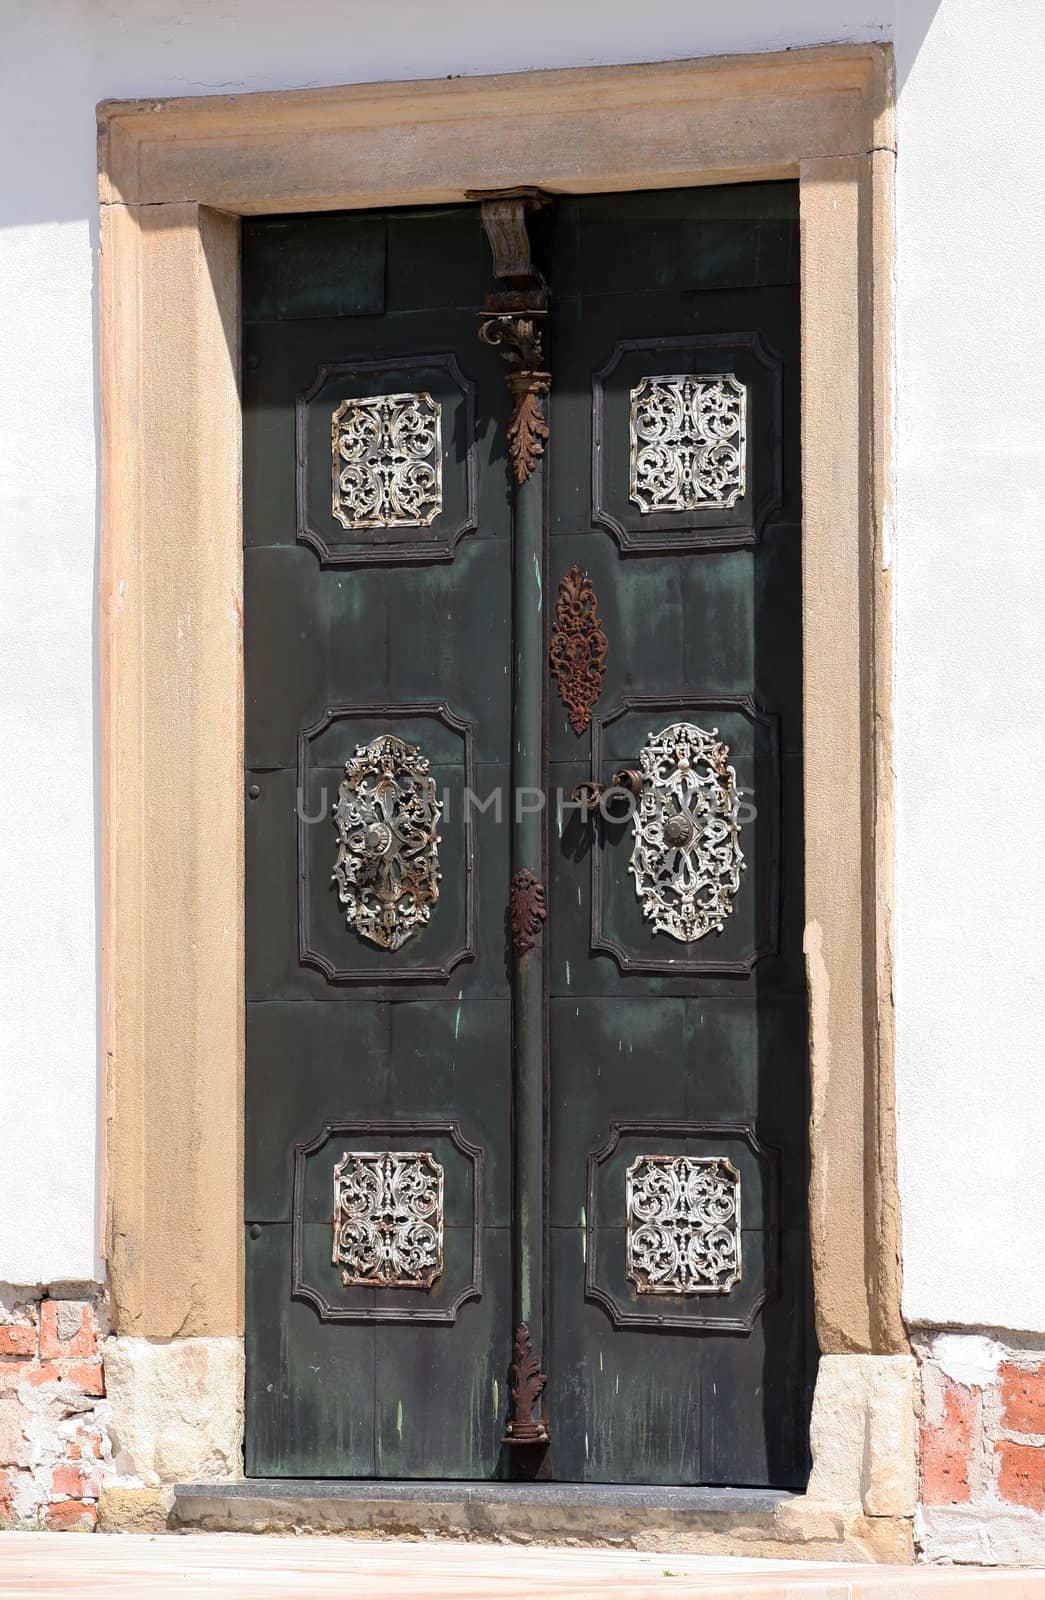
point(623, 789)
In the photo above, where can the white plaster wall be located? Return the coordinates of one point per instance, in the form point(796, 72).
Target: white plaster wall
point(970, 663)
point(970, 566)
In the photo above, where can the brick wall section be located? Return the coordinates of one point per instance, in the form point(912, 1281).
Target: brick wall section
point(54, 1445)
point(982, 1431)
point(950, 1426)
point(1023, 1396)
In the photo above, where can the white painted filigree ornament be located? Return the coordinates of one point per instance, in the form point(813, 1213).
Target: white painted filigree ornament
point(686, 857)
point(683, 1228)
point(387, 867)
point(388, 461)
point(388, 1219)
point(688, 443)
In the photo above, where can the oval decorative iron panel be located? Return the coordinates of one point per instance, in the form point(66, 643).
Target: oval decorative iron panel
point(683, 1227)
point(387, 867)
point(686, 858)
point(388, 1218)
point(387, 461)
point(688, 443)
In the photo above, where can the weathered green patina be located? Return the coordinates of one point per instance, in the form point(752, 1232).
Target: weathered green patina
point(628, 1043)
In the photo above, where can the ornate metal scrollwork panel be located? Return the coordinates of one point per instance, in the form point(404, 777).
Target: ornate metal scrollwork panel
point(683, 1225)
point(688, 443)
point(388, 1219)
point(686, 857)
point(387, 867)
point(578, 648)
point(387, 461)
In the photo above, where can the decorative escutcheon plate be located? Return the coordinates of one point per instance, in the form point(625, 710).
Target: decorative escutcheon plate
point(686, 858)
point(387, 867)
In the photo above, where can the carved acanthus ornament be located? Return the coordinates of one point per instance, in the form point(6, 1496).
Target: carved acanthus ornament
point(388, 1219)
point(683, 1227)
point(526, 1387)
point(686, 858)
point(527, 909)
point(578, 648)
point(513, 320)
point(518, 338)
point(387, 867)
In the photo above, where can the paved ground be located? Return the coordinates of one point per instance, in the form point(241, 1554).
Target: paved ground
point(234, 1566)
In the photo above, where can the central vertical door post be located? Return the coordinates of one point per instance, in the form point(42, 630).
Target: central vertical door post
point(514, 322)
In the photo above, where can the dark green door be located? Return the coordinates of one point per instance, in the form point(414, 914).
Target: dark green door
point(424, 634)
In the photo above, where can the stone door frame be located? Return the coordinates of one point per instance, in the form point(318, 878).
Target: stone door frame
point(175, 176)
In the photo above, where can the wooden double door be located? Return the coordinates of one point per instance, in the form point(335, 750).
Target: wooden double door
point(526, 1070)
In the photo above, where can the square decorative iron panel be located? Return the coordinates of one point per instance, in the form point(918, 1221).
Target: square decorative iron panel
point(388, 1219)
point(387, 461)
point(688, 440)
point(683, 1225)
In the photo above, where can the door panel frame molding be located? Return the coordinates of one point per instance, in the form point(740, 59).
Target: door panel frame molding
point(374, 1128)
point(175, 176)
point(392, 712)
point(666, 532)
point(656, 1130)
point(666, 962)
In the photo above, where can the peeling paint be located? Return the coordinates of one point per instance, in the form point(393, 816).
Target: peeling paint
point(969, 1359)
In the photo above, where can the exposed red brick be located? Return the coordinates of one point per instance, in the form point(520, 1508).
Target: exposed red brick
point(17, 1339)
point(68, 1477)
point(6, 1497)
point(87, 1376)
point(1021, 1473)
point(62, 1514)
point(86, 1446)
point(75, 1319)
point(947, 1447)
point(1023, 1397)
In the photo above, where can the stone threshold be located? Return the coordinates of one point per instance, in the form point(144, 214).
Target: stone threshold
point(767, 1523)
point(595, 1514)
